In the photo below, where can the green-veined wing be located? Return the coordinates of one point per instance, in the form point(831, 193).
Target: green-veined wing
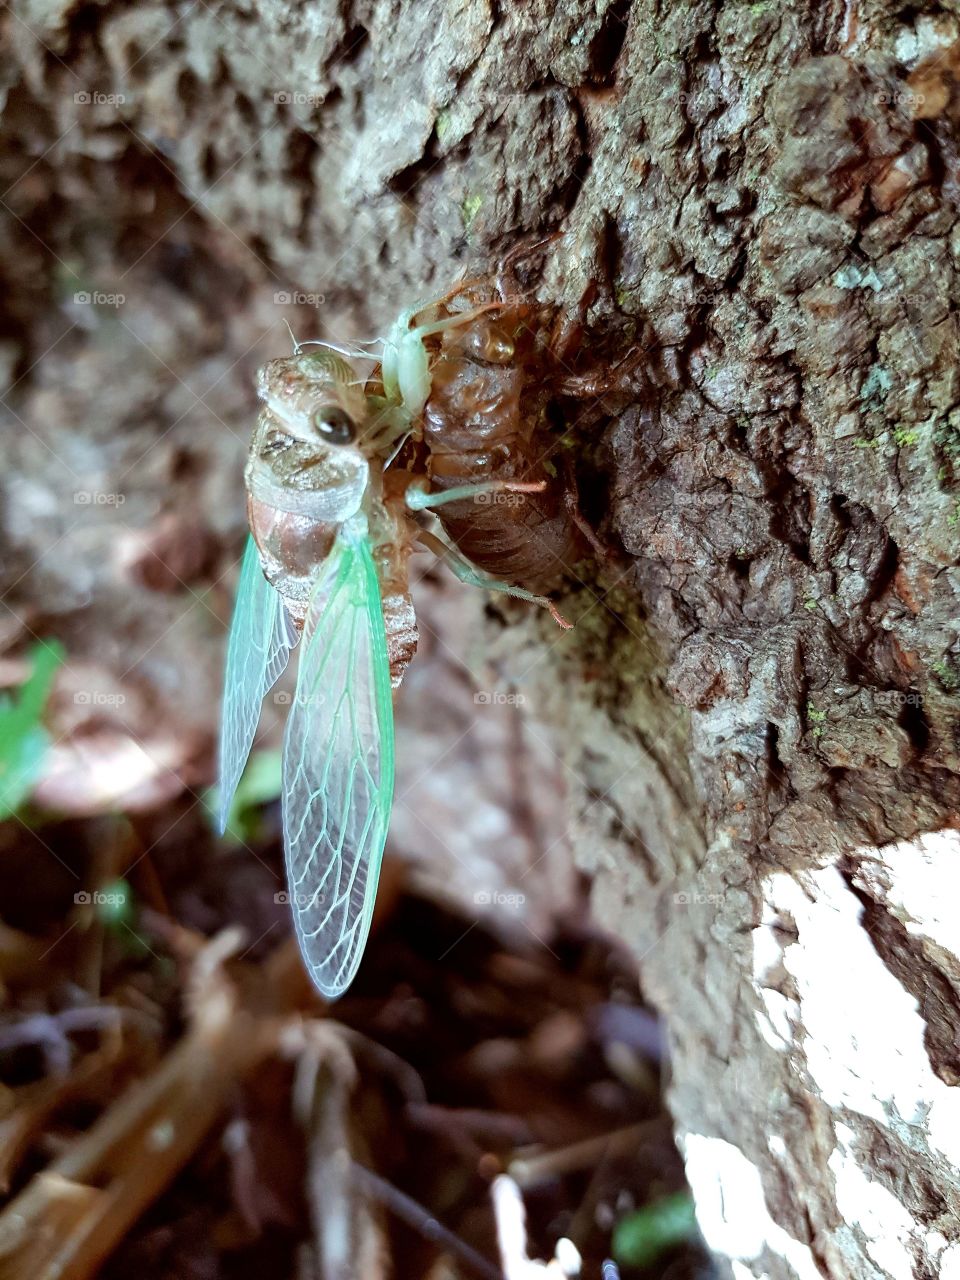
point(338, 767)
point(261, 637)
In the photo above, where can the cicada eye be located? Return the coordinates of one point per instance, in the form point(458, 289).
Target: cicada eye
point(334, 424)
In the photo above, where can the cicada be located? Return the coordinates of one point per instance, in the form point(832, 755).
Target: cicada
point(332, 525)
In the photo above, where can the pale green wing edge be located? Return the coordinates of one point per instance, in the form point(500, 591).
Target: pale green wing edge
point(261, 637)
point(338, 768)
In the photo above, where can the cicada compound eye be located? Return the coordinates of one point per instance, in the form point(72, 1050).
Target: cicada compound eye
point(335, 424)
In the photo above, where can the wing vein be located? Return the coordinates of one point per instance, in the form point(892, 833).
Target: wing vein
point(338, 768)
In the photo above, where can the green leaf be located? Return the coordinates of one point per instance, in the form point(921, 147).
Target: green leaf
point(23, 740)
point(259, 784)
point(640, 1238)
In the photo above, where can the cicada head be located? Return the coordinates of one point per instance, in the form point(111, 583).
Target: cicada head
point(317, 397)
point(308, 457)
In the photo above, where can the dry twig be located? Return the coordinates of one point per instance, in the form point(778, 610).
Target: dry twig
point(70, 1217)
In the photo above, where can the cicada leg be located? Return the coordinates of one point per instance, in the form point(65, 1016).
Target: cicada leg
point(569, 327)
point(594, 383)
point(605, 552)
point(401, 327)
point(421, 500)
point(405, 368)
point(472, 576)
point(507, 284)
point(461, 286)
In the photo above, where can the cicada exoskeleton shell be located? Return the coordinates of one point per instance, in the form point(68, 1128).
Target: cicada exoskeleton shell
point(488, 419)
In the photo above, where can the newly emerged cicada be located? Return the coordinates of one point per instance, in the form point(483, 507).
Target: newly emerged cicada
point(325, 564)
point(332, 525)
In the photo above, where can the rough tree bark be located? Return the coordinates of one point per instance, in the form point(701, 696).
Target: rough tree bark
point(758, 713)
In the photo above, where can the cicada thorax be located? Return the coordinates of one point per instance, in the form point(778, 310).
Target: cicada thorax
point(308, 474)
point(298, 496)
point(488, 418)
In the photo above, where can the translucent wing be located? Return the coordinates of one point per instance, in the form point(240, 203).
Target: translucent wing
point(338, 768)
point(261, 637)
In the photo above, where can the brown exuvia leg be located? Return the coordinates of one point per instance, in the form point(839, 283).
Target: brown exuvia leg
point(604, 551)
point(472, 576)
point(596, 382)
point(508, 286)
point(568, 330)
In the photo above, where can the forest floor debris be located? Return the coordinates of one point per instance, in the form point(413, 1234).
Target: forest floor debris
point(195, 1111)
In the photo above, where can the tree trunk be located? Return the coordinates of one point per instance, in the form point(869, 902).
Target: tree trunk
point(758, 712)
